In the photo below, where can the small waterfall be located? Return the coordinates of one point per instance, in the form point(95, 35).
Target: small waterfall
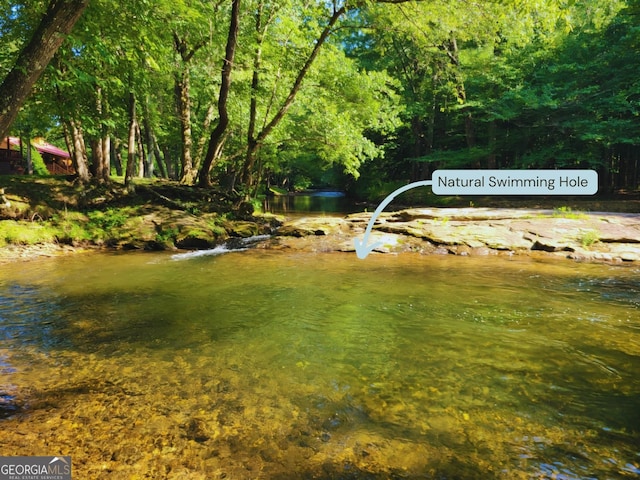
point(231, 245)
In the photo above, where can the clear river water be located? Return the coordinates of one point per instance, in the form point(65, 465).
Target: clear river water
point(266, 364)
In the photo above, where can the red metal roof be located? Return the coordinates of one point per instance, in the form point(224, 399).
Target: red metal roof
point(47, 148)
point(43, 147)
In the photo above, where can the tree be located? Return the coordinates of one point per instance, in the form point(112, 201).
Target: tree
point(93, 75)
point(572, 111)
point(216, 140)
point(390, 89)
point(420, 44)
point(183, 100)
point(490, 86)
point(194, 27)
point(286, 39)
point(253, 145)
point(58, 20)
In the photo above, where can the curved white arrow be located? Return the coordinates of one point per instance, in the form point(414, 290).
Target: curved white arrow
point(362, 249)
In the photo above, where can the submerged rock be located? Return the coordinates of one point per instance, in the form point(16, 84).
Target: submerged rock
point(196, 430)
point(8, 405)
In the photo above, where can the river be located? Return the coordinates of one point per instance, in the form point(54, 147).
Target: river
point(276, 365)
point(328, 202)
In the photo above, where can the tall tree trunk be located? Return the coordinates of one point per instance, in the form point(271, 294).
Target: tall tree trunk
point(492, 160)
point(117, 156)
point(217, 138)
point(255, 80)
point(188, 173)
point(253, 147)
point(149, 157)
point(635, 180)
point(29, 158)
point(183, 100)
point(96, 157)
point(431, 127)
point(67, 139)
point(206, 124)
point(131, 146)
point(105, 170)
point(419, 146)
point(79, 152)
point(102, 146)
point(164, 172)
point(101, 158)
point(451, 48)
point(58, 20)
point(142, 167)
point(169, 162)
point(73, 137)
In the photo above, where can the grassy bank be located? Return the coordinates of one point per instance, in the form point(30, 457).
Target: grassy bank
point(156, 215)
point(160, 214)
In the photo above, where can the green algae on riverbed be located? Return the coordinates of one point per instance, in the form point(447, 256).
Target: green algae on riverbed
point(271, 365)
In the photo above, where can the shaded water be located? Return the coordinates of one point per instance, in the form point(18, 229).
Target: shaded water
point(327, 202)
point(270, 365)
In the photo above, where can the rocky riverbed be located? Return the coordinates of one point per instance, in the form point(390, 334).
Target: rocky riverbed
point(594, 236)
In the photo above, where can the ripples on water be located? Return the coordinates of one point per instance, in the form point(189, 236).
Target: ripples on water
point(272, 365)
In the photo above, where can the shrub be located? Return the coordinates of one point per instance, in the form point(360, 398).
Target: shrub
point(71, 227)
point(567, 212)
point(107, 220)
point(589, 238)
point(39, 167)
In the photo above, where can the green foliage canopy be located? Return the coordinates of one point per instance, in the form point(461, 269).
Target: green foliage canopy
point(398, 88)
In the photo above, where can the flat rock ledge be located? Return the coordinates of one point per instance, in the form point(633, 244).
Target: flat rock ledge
point(593, 236)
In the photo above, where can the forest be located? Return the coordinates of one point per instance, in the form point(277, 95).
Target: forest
point(251, 95)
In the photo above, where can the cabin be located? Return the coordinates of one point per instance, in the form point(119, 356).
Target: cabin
point(13, 158)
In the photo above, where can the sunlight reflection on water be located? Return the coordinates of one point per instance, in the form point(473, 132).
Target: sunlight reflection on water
point(269, 365)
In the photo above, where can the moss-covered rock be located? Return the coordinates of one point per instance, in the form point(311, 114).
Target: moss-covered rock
point(243, 229)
